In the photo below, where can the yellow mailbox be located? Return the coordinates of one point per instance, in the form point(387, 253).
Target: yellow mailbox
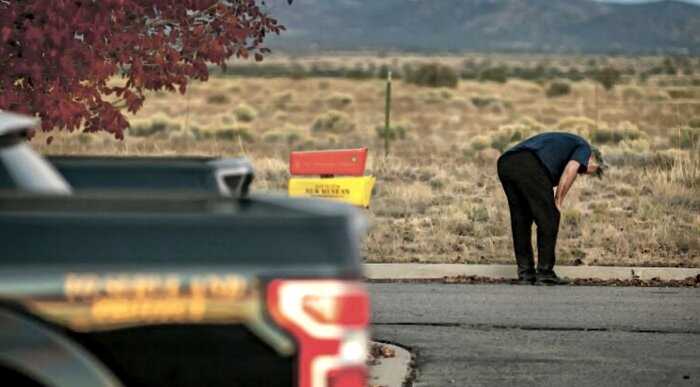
point(353, 190)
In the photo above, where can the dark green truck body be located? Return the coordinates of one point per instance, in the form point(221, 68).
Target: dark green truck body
point(49, 240)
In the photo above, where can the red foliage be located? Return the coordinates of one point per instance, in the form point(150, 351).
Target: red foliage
point(56, 56)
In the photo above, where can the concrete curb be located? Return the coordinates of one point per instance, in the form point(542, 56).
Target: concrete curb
point(391, 371)
point(419, 271)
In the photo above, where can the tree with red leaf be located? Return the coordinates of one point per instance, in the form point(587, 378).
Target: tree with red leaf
point(58, 56)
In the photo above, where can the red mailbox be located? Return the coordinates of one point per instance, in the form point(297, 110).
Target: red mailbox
point(343, 162)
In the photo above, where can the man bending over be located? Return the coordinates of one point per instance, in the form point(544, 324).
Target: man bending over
point(528, 172)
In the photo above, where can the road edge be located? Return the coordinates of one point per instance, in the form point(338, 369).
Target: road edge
point(427, 271)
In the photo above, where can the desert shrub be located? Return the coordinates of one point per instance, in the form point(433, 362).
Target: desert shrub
point(604, 136)
point(525, 86)
point(681, 93)
point(507, 135)
point(535, 73)
point(469, 73)
point(358, 72)
point(218, 99)
point(494, 74)
point(608, 77)
point(626, 157)
point(283, 99)
point(230, 134)
point(224, 119)
point(276, 136)
point(245, 113)
point(159, 123)
point(84, 138)
point(437, 183)
point(632, 93)
point(558, 89)
point(576, 124)
point(329, 141)
point(339, 100)
point(685, 137)
point(484, 102)
point(183, 139)
point(488, 156)
point(468, 153)
point(224, 133)
point(436, 96)
point(639, 145)
point(625, 131)
point(296, 71)
point(293, 137)
point(433, 75)
point(333, 122)
point(273, 136)
point(534, 125)
point(501, 140)
point(658, 95)
point(271, 173)
point(694, 122)
point(306, 144)
point(389, 135)
point(383, 72)
point(480, 142)
point(289, 134)
point(571, 217)
point(478, 213)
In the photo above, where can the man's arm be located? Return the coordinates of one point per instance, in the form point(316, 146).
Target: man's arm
point(567, 179)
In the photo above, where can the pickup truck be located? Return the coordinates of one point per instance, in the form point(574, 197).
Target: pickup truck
point(127, 288)
point(226, 176)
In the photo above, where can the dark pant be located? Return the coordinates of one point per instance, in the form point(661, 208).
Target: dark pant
point(530, 198)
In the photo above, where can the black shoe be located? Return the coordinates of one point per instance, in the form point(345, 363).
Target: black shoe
point(526, 279)
point(550, 279)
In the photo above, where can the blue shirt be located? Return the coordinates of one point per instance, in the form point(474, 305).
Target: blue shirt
point(555, 150)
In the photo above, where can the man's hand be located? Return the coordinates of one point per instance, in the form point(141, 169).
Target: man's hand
point(596, 168)
point(567, 179)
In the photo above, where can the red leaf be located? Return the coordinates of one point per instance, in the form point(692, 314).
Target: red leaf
point(6, 32)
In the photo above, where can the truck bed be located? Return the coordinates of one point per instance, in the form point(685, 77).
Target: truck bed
point(131, 230)
point(127, 173)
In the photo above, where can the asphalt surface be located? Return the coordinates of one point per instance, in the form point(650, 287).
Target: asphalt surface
point(496, 335)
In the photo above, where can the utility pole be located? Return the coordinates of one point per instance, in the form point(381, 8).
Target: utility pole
point(597, 114)
point(387, 114)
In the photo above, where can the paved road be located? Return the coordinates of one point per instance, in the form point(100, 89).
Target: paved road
point(496, 335)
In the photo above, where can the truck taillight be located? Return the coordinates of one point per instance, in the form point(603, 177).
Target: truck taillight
point(329, 320)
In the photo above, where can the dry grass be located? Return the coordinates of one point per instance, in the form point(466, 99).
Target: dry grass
point(437, 197)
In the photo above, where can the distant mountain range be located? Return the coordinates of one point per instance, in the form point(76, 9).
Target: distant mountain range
point(555, 26)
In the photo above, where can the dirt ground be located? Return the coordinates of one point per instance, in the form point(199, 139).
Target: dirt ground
point(437, 197)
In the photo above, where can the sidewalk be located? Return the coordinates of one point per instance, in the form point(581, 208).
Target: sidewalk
point(418, 271)
point(392, 371)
